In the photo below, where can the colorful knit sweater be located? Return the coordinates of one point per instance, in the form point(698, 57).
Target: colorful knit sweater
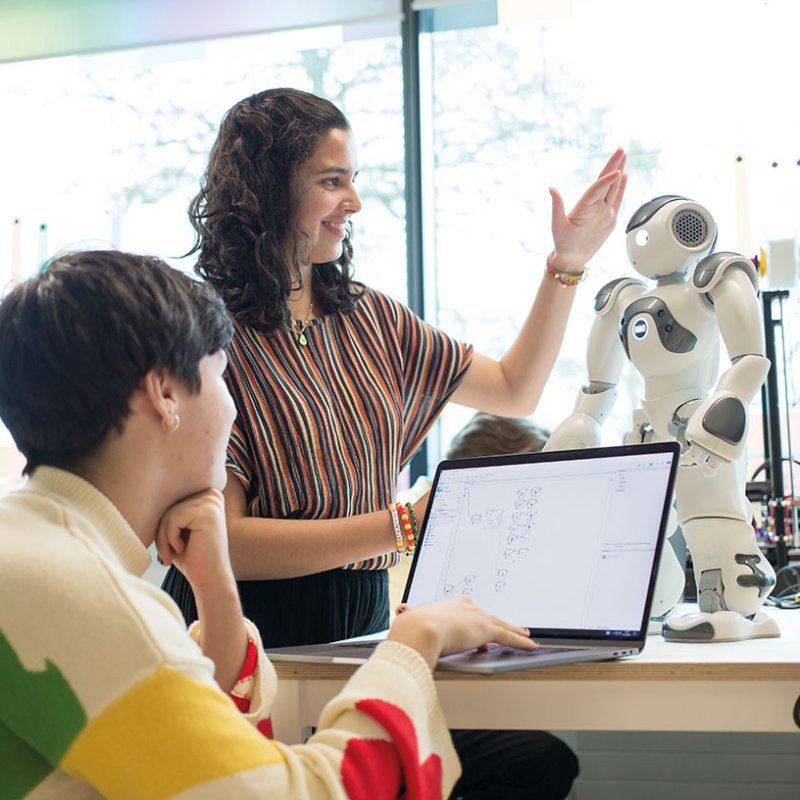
point(103, 692)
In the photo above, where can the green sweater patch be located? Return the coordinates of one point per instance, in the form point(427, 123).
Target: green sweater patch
point(40, 717)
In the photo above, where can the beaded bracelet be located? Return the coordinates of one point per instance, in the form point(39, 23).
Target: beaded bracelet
point(398, 534)
point(408, 528)
point(413, 517)
point(566, 279)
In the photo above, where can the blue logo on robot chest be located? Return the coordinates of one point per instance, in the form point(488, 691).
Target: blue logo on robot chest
point(640, 328)
point(648, 313)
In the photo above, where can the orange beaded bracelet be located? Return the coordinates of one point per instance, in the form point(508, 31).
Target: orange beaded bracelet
point(407, 528)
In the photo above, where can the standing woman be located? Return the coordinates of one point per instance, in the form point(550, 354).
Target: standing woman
point(336, 384)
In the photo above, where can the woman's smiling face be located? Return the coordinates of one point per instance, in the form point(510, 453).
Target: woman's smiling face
point(324, 196)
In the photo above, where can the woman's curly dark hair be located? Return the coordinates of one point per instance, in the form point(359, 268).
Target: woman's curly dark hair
point(242, 215)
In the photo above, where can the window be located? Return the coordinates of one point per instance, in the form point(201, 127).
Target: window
point(516, 95)
point(543, 97)
point(108, 149)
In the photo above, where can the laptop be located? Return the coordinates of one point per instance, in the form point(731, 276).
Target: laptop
point(565, 543)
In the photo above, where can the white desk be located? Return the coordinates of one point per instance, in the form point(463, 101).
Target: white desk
point(736, 686)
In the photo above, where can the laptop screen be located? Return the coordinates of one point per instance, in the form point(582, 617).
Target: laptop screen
point(565, 543)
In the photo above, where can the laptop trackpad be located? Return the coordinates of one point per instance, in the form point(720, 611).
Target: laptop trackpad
point(500, 659)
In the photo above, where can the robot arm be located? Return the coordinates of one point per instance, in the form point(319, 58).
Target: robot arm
point(717, 429)
point(581, 429)
point(605, 358)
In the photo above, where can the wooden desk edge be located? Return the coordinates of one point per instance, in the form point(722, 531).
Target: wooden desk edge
point(597, 671)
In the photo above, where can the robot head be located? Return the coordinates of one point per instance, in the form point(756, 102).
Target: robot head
point(669, 235)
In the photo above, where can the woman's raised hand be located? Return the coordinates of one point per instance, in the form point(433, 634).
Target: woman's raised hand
point(577, 236)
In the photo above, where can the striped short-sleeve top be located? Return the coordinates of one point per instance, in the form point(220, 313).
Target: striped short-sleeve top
point(322, 430)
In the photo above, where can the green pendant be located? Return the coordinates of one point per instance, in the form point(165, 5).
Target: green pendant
point(302, 339)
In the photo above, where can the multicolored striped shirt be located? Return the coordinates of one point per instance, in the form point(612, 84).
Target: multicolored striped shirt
point(103, 692)
point(324, 429)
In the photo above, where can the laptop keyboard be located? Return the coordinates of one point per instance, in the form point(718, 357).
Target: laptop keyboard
point(359, 645)
point(542, 650)
point(494, 649)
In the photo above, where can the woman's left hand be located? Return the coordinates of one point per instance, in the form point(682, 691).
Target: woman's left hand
point(577, 236)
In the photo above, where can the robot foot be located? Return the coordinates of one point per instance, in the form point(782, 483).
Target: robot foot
point(718, 626)
point(655, 626)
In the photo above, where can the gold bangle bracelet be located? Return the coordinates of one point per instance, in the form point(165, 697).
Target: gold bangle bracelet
point(566, 279)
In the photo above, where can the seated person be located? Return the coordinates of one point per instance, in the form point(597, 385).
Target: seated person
point(490, 435)
point(111, 383)
point(483, 435)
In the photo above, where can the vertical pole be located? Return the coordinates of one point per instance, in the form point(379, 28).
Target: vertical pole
point(773, 427)
point(413, 176)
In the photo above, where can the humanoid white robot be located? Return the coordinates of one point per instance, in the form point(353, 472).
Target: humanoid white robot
point(671, 333)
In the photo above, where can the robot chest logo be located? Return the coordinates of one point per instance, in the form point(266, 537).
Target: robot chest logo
point(640, 328)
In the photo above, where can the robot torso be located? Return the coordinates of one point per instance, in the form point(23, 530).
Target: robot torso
point(671, 337)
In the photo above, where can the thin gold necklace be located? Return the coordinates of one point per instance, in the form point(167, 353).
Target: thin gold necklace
point(300, 327)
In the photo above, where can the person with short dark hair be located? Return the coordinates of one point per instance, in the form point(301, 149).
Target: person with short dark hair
point(111, 383)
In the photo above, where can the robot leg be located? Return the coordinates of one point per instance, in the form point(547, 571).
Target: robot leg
point(733, 576)
point(670, 580)
point(738, 581)
point(671, 577)
point(730, 589)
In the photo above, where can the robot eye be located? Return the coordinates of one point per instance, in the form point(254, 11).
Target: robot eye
point(642, 238)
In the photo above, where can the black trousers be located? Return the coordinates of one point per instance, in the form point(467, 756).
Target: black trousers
point(512, 765)
point(496, 765)
point(315, 608)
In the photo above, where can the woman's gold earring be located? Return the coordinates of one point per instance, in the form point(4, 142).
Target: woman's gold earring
point(171, 422)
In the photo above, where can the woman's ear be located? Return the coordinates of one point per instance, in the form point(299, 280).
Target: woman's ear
point(160, 392)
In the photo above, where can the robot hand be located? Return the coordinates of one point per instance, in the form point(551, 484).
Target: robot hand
point(717, 427)
point(581, 429)
point(697, 457)
point(715, 432)
point(577, 431)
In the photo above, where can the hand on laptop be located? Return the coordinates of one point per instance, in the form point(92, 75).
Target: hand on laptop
point(452, 626)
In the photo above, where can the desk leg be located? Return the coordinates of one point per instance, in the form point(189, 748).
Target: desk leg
point(287, 723)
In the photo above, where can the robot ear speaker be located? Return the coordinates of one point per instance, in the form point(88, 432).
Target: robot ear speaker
point(691, 227)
